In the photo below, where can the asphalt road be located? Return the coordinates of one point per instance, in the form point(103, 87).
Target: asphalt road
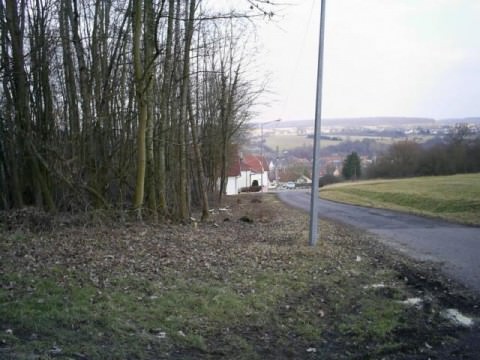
point(455, 247)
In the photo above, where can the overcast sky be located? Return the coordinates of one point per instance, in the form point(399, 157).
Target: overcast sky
point(382, 58)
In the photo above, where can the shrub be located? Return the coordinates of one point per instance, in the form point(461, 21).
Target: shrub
point(328, 179)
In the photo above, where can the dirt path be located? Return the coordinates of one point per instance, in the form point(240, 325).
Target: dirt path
point(455, 247)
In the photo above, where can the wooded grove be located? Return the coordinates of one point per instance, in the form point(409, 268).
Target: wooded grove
point(120, 104)
point(456, 153)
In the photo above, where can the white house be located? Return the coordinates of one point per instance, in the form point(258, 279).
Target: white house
point(243, 172)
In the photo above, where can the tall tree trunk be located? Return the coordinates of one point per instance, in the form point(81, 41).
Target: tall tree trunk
point(149, 61)
point(11, 144)
point(183, 125)
point(71, 107)
point(19, 77)
point(142, 106)
point(15, 19)
point(164, 106)
point(36, 180)
point(85, 92)
point(42, 102)
point(199, 163)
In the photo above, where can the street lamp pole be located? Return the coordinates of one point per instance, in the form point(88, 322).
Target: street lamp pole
point(261, 146)
point(316, 144)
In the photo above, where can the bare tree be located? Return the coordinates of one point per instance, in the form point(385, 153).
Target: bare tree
point(111, 103)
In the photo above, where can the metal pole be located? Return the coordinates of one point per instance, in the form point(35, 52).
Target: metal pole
point(261, 153)
point(316, 143)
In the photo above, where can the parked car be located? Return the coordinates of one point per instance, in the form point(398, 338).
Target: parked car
point(290, 185)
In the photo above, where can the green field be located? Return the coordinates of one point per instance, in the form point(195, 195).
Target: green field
point(455, 198)
point(291, 141)
point(287, 142)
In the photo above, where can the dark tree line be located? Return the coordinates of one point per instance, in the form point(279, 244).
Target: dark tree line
point(457, 153)
point(364, 147)
point(120, 103)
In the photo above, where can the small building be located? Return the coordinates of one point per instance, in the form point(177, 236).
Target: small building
point(244, 171)
point(304, 180)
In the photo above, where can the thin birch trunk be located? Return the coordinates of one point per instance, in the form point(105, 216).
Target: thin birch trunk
point(141, 106)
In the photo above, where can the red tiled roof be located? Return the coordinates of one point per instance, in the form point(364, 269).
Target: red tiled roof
point(254, 163)
point(250, 162)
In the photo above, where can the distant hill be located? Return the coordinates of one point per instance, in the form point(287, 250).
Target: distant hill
point(453, 121)
point(380, 121)
point(387, 121)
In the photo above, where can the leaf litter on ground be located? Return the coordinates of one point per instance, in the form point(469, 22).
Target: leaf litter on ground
point(238, 289)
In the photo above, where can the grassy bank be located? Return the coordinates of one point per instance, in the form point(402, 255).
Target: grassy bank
point(455, 198)
point(224, 289)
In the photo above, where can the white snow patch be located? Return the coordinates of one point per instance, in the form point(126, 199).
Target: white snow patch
point(412, 302)
point(457, 317)
point(375, 286)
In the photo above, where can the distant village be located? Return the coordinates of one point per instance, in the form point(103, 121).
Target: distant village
point(368, 127)
point(259, 167)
